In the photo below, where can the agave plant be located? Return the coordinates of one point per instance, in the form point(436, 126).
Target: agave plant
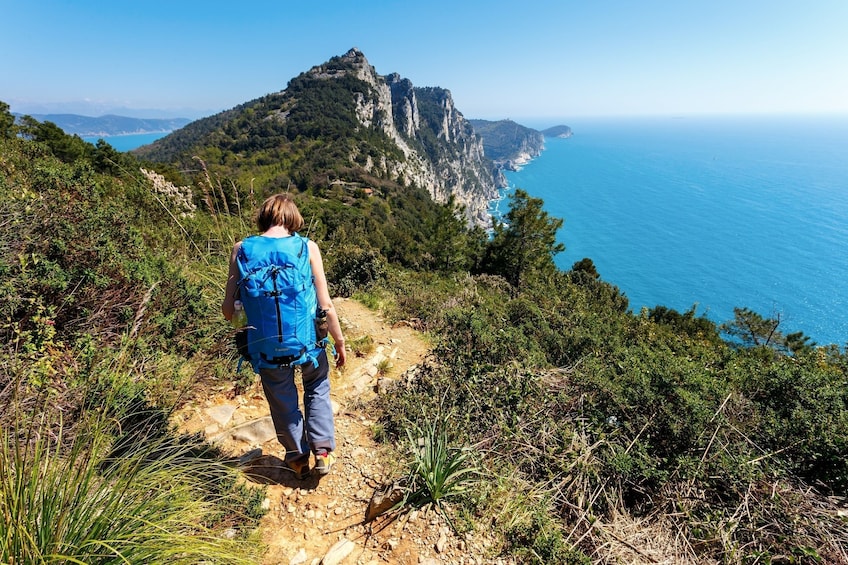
point(438, 470)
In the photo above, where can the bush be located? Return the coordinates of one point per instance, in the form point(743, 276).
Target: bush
point(354, 269)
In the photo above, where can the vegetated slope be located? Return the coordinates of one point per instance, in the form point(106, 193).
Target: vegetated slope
point(581, 411)
point(557, 131)
point(341, 126)
point(507, 142)
point(104, 327)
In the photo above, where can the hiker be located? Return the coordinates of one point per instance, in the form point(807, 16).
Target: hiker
point(279, 251)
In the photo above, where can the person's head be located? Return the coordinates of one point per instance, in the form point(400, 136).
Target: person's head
point(279, 210)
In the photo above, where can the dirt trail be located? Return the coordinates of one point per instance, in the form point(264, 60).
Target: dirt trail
point(316, 520)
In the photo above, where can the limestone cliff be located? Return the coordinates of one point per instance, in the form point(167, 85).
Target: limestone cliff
point(440, 150)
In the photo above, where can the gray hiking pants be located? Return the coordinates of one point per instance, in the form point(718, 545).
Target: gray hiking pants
point(281, 392)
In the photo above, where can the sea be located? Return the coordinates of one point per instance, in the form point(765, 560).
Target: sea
point(127, 142)
point(706, 212)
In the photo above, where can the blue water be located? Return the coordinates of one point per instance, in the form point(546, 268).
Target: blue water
point(128, 142)
point(713, 212)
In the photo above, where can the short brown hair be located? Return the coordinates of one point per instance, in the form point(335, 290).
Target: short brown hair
point(279, 210)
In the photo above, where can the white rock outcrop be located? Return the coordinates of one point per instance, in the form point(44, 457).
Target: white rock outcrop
point(457, 167)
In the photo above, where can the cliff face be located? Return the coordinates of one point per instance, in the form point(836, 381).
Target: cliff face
point(509, 144)
point(342, 124)
point(440, 150)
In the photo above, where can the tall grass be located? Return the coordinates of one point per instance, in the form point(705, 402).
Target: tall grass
point(77, 504)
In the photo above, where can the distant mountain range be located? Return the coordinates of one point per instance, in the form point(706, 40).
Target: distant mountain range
point(87, 126)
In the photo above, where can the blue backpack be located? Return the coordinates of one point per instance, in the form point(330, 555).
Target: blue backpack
point(278, 293)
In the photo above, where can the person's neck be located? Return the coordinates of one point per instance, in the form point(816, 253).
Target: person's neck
point(277, 231)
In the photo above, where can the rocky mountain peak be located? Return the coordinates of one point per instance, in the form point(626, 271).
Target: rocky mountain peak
point(383, 127)
point(411, 117)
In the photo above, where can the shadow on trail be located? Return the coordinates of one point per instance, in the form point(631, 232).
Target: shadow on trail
point(269, 470)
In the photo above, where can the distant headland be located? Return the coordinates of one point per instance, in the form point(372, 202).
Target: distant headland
point(109, 125)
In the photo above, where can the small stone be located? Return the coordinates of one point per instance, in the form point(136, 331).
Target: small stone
point(291, 509)
point(221, 414)
point(255, 432)
point(287, 492)
point(299, 558)
point(338, 552)
point(442, 543)
point(266, 504)
point(338, 511)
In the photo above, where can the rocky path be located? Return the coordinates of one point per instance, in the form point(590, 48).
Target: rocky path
point(322, 521)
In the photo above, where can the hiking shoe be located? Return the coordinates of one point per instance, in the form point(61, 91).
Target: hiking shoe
point(324, 461)
point(299, 468)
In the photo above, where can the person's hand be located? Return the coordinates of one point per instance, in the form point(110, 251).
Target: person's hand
point(341, 353)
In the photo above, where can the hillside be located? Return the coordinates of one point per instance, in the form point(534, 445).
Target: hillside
point(87, 126)
point(509, 144)
point(341, 125)
point(557, 131)
point(548, 423)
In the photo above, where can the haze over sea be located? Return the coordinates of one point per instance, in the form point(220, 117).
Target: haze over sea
point(717, 212)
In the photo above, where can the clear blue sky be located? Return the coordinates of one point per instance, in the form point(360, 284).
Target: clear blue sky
point(557, 58)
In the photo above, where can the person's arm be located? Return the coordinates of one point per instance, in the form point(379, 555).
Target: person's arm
point(227, 307)
point(324, 302)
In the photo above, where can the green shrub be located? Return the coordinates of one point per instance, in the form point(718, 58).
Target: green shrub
point(354, 269)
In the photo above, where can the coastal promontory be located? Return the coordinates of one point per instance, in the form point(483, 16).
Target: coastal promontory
point(508, 144)
point(558, 131)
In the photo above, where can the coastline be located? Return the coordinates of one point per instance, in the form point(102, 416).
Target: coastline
point(503, 187)
point(104, 135)
point(640, 196)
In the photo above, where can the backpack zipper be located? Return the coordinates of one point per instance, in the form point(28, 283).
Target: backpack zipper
point(274, 273)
